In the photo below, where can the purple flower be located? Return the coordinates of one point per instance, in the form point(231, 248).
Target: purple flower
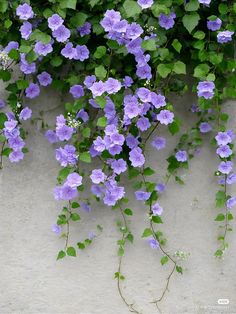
point(157, 210)
point(68, 193)
point(142, 195)
point(74, 180)
point(10, 125)
point(118, 166)
point(165, 117)
point(66, 155)
point(2, 103)
point(205, 89)
point(144, 4)
point(231, 178)
point(16, 143)
point(84, 29)
point(205, 2)
point(143, 124)
point(144, 72)
point(231, 202)
point(153, 243)
point(144, 94)
point(11, 45)
point(25, 67)
point(44, 79)
point(82, 53)
point(158, 100)
point(57, 229)
point(134, 31)
point(68, 51)
point(97, 176)
point(55, 21)
point(214, 25)
point(32, 91)
point(159, 143)
point(16, 156)
point(98, 88)
point(51, 136)
point(131, 141)
point(205, 127)
point(61, 34)
point(97, 190)
point(160, 187)
point(224, 37)
point(136, 157)
point(24, 11)
point(89, 80)
point(42, 49)
point(85, 207)
point(224, 151)
point(77, 91)
point(26, 30)
point(25, 114)
point(134, 45)
point(223, 138)
point(83, 115)
point(166, 21)
point(128, 81)
point(181, 156)
point(112, 86)
point(64, 133)
point(225, 167)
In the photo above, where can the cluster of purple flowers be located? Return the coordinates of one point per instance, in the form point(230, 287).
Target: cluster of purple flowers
point(68, 190)
point(205, 89)
point(223, 140)
point(128, 35)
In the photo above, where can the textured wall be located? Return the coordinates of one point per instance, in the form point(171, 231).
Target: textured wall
point(32, 281)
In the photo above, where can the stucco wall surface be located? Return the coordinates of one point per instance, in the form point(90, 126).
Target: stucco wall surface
point(33, 282)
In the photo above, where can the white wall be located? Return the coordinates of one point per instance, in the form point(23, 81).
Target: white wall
point(32, 281)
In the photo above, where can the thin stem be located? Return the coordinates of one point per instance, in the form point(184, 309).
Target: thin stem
point(68, 227)
point(3, 144)
point(226, 213)
point(150, 133)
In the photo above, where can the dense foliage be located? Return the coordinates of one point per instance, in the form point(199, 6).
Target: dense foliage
point(120, 60)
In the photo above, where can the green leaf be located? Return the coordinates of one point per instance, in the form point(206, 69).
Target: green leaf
point(157, 219)
point(158, 8)
point(149, 45)
point(223, 8)
point(85, 157)
point(22, 84)
point(56, 61)
point(100, 72)
point(71, 251)
point(3, 119)
point(101, 101)
point(63, 174)
point(75, 217)
point(192, 5)
point(177, 45)
point(5, 75)
point(2, 138)
point(220, 217)
point(86, 132)
point(6, 152)
point(218, 253)
point(14, 54)
point(164, 260)
point(190, 21)
point(68, 4)
point(8, 23)
point(230, 216)
point(199, 35)
point(81, 245)
point(78, 19)
point(174, 127)
point(148, 171)
point(102, 122)
point(179, 269)
point(128, 212)
point(3, 6)
point(37, 35)
point(75, 205)
point(179, 67)
point(120, 251)
point(131, 8)
point(220, 199)
point(100, 52)
point(130, 237)
point(60, 255)
point(201, 70)
point(164, 69)
point(133, 173)
point(147, 233)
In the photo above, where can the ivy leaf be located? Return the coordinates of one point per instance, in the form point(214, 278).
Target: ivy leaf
point(102, 122)
point(63, 174)
point(75, 205)
point(75, 216)
point(192, 5)
point(71, 251)
point(60, 255)
point(131, 8)
point(148, 171)
point(149, 45)
point(147, 233)
point(164, 69)
point(190, 21)
point(174, 127)
point(78, 19)
point(128, 212)
point(220, 217)
point(201, 70)
point(100, 72)
point(37, 35)
point(179, 67)
point(179, 269)
point(101, 101)
point(100, 52)
point(5, 75)
point(3, 6)
point(157, 219)
point(3, 119)
point(85, 157)
point(68, 4)
point(177, 45)
point(164, 260)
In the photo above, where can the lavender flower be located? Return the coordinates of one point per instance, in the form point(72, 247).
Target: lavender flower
point(24, 11)
point(89, 80)
point(224, 151)
point(97, 176)
point(25, 114)
point(66, 156)
point(16, 156)
point(205, 89)
point(158, 100)
point(181, 156)
point(231, 179)
point(136, 157)
point(56, 229)
point(64, 133)
point(231, 202)
point(77, 91)
point(42, 49)
point(142, 195)
point(214, 25)
point(144, 4)
point(134, 31)
point(51, 136)
point(205, 2)
point(32, 91)
point(98, 88)
point(165, 117)
point(26, 30)
point(160, 187)
point(61, 34)
point(54, 22)
point(205, 127)
point(74, 180)
point(128, 81)
point(143, 124)
point(144, 94)
point(112, 86)
point(153, 243)
point(224, 37)
point(157, 210)
point(118, 166)
point(84, 29)
point(159, 143)
point(44, 79)
point(225, 167)
point(2, 103)
point(166, 21)
point(68, 193)
point(82, 53)
point(223, 138)
point(68, 51)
